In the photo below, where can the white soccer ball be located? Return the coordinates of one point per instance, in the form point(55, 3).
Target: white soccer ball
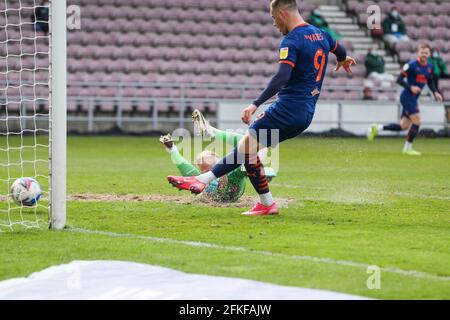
point(26, 191)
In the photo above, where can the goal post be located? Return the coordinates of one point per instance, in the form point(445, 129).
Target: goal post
point(58, 113)
point(33, 114)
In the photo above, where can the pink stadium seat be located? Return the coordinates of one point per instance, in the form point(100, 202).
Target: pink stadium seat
point(170, 78)
point(385, 95)
point(85, 91)
point(406, 56)
point(251, 94)
point(355, 82)
point(217, 93)
point(446, 58)
point(106, 106)
point(439, 44)
point(445, 84)
point(422, 21)
point(107, 92)
point(426, 9)
point(358, 71)
point(352, 5)
point(188, 78)
point(109, 26)
point(89, 77)
point(13, 107)
point(347, 44)
point(13, 77)
point(325, 95)
point(353, 95)
point(410, 19)
point(445, 8)
point(72, 105)
point(441, 33)
point(385, 6)
point(338, 95)
point(132, 92)
point(196, 93)
point(445, 46)
point(162, 106)
point(435, 21)
point(74, 65)
point(403, 46)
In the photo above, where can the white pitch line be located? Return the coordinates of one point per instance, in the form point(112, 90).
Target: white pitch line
point(411, 273)
point(401, 194)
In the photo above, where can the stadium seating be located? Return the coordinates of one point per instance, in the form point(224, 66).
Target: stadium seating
point(139, 49)
point(426, 22)
point(212, 46)
point(143, 42)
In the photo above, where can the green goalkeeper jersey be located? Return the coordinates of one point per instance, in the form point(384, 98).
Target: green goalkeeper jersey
point(227, 189)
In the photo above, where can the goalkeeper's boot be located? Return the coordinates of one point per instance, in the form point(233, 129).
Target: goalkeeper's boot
point(261, 210)
point(167, 141)
point(372, 132)
point(191, 184)
point(412, 152)
point(201, 126)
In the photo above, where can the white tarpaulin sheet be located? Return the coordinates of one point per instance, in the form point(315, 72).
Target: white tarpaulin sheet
point(129, 280)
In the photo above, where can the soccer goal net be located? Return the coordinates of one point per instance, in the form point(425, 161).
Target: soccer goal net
point(32, 114)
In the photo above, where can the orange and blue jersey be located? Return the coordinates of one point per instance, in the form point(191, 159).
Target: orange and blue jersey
point(416, 74)
point(303, 63)
point(306, 50)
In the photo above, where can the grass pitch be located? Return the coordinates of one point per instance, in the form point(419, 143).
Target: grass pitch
point(356, 204)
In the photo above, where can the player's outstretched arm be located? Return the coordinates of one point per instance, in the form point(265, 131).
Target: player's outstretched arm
point(344, 61)
point(247, 113)
point(278, 81)
point(438, 97)
point(402, 82)
point(186, 169)
point(432, 85)
point(346, 64)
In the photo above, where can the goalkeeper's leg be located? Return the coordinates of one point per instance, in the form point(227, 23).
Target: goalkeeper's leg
point(202, 127)
point(186, 168)
point(228, 137)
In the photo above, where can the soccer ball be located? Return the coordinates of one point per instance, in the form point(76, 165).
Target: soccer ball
point(26, 191)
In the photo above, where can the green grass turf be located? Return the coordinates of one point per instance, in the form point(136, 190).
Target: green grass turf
point(354, 201)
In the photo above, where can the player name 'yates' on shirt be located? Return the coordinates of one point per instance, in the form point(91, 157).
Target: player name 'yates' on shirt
point(305, 49)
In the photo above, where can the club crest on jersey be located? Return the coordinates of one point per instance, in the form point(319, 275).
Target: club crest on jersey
point(284, 52)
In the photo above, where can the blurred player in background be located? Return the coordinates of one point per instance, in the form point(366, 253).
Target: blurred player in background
point(415, 75)
point(440, 68)
point(303, 61)
point(228, 188)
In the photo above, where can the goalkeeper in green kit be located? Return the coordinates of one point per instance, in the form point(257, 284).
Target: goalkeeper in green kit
point(228, 188)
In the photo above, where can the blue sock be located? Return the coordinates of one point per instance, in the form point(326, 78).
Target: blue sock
point(392, 127)
point(230, 162)
point(255, 172)
point(412, 133)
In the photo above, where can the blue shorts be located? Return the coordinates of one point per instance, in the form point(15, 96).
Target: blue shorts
point(279, 123)
point(410, 106)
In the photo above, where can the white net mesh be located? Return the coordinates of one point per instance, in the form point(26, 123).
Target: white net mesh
point(24, 108)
